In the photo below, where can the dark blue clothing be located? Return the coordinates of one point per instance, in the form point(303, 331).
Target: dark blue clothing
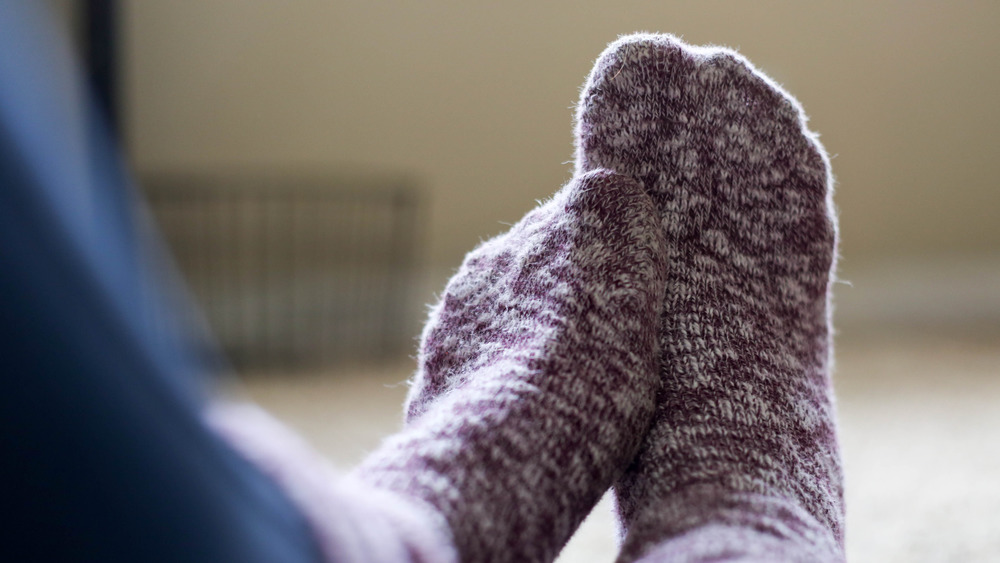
point(105, 456)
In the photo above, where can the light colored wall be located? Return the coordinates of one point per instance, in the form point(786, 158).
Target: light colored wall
point(474, 98)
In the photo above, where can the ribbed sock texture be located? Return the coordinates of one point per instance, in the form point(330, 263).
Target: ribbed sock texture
point(742, 461)
point(536, 376)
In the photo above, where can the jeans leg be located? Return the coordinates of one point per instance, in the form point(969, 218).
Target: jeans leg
point(106, 455)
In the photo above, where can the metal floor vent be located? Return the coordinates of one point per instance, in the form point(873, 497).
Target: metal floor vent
point(294, 271)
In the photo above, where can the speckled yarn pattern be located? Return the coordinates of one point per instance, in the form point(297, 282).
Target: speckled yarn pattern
point(742, 460)
point(661, 324)
point(537, 375)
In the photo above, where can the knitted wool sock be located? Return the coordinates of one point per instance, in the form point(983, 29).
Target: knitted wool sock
point(742, 459)
point(536, 376)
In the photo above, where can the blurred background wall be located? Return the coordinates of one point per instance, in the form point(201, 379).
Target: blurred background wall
point(474, 99)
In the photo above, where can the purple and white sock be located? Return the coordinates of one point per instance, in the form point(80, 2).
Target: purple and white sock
point(742, 461)
point(537, 375)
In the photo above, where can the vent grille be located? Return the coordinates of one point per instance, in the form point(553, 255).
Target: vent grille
point(294, 272)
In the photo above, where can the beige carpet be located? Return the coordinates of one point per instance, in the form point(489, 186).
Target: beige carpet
point(920, 419)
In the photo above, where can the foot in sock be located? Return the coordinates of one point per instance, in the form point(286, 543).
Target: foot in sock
point(536, 376)
point(742, 459)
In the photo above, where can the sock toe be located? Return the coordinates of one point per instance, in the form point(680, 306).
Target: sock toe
point(601, 224)
point(661, 111)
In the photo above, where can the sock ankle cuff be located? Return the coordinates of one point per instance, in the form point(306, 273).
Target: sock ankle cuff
point(748, 524)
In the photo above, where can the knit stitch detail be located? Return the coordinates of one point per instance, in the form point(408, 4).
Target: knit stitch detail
point(537, 374)
point(746, 409)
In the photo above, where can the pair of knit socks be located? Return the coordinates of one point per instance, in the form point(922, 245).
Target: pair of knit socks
point(661, 325)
